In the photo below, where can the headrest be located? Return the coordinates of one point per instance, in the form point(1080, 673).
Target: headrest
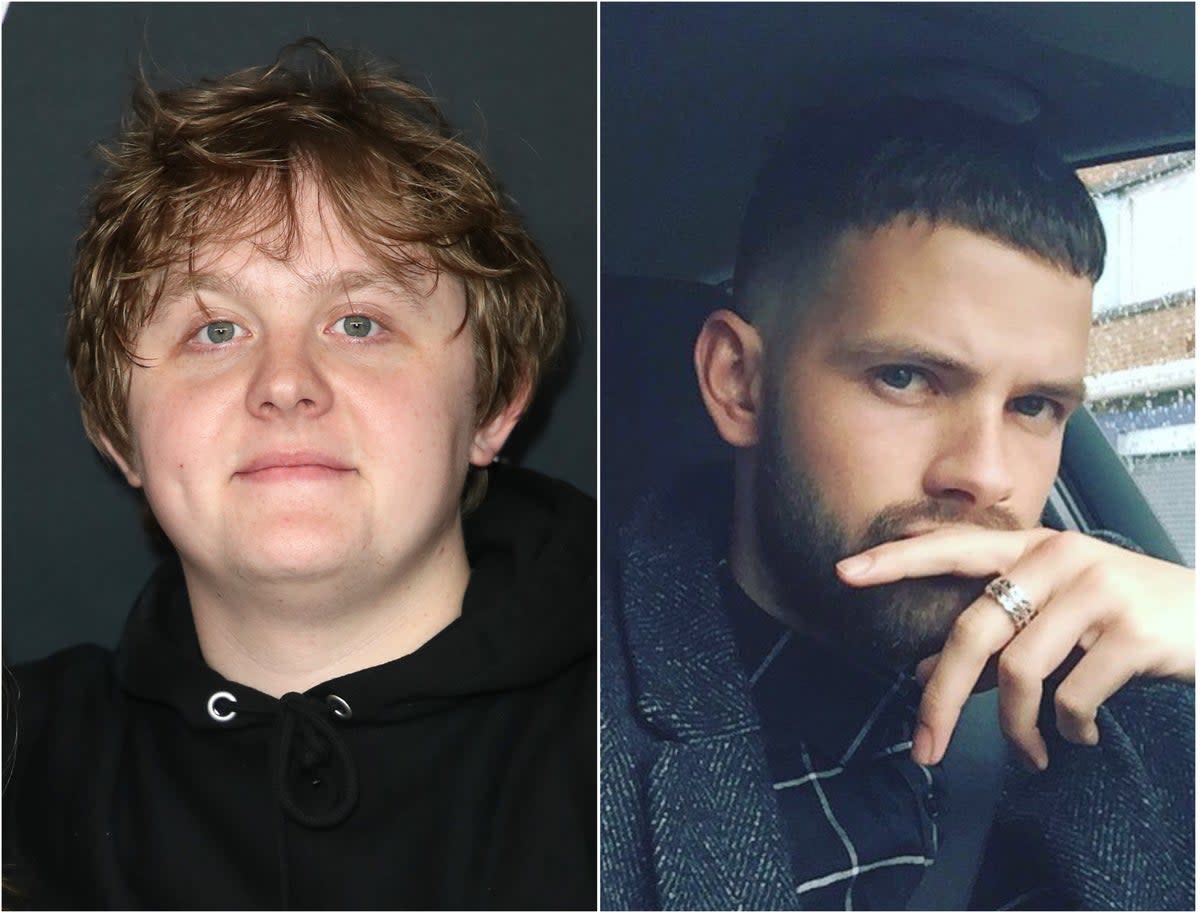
point(652, 420)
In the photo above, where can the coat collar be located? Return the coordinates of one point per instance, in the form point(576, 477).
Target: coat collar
point(687, 679)
point(717, 838)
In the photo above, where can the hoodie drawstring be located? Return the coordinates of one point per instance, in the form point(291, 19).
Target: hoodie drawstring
point(305, 735)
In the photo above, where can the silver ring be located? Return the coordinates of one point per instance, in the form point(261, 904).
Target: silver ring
point(1012, 598)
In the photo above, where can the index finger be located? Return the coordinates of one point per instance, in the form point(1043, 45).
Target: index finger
point(956, 550)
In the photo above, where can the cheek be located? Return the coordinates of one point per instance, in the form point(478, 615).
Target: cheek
point(848, 440)
point(860, 469)
point(862, 454)
point(1035, 480)
point(460, 387)
point(420, 413)
point(174, 428)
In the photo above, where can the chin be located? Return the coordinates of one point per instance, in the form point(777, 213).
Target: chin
point(904, 622)
point(277, 567)
point(296, 550)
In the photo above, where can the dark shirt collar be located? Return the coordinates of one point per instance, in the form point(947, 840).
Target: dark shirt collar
point(845, 709)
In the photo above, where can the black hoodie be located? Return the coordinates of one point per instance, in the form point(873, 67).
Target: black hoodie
point(461, 776)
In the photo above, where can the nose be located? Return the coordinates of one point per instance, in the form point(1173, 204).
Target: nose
point(288, 380)
point(970, 465)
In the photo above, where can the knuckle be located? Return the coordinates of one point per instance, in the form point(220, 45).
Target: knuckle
point(970, 630)
point(1140, 637)
point(1066, 545)
point(1122, 601)
point(1056, 544)
point(940, 704)
point(1099, 579)
point(1012, 730)
point(1015, 666)
point(1071, 707)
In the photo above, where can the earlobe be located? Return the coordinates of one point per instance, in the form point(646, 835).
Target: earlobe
point(728, 357)
point(134, 479)
point(492, 434)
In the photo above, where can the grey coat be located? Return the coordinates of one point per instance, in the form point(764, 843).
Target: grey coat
point(688, 818)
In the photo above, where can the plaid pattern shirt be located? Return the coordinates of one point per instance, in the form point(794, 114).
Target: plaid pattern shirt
point(859, 815)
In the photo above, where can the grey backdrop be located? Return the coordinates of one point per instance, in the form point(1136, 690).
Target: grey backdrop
point(517, 79)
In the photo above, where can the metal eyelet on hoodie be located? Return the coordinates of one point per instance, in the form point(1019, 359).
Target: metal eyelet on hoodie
point(340, 707)
point(212, 706)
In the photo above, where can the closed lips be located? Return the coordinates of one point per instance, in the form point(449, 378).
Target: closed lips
point(284, 460)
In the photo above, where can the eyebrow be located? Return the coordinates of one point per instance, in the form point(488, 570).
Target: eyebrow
point(900, 350)
point(348, 281)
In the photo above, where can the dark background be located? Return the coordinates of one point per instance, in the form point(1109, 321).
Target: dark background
point(692, 91)
point(519, 80)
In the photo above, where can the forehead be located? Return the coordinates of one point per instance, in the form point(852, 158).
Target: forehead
point(301, 231)
point(305, 248)
point(988, 304)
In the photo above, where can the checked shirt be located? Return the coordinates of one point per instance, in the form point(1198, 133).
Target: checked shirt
point(859, 815)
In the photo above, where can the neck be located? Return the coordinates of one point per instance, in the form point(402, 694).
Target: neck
point(752, 575)
point(279, 637)
point(745, 554)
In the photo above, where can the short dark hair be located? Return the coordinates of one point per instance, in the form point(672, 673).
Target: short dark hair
point(863, 167)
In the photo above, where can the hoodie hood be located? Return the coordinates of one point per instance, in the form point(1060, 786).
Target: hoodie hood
point(528, 614)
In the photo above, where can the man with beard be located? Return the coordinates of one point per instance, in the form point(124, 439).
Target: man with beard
point(912, 301)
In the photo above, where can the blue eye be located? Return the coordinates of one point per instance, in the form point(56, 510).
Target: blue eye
point(1032, 405)
point(219, 332)
point(357, 325)
point(899, 377)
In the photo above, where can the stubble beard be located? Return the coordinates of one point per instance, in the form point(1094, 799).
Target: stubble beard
point(801, 540)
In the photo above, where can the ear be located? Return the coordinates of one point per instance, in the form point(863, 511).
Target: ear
point(132, 476)
point(491, 436)
point(728, 359)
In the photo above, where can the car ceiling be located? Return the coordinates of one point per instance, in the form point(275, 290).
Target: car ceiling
point(691, 91)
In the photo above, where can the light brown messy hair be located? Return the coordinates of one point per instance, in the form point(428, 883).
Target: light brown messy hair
point(222, 161)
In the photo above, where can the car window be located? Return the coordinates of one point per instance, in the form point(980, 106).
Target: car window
point(1142, 362)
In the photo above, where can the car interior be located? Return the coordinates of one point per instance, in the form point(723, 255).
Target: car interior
point(689, 100)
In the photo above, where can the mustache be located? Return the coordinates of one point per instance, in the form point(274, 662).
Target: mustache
point(893, 522)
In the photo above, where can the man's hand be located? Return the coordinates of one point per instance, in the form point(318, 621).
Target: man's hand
point(1127, 614)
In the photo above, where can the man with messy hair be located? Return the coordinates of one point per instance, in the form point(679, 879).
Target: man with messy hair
point(304, 321)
